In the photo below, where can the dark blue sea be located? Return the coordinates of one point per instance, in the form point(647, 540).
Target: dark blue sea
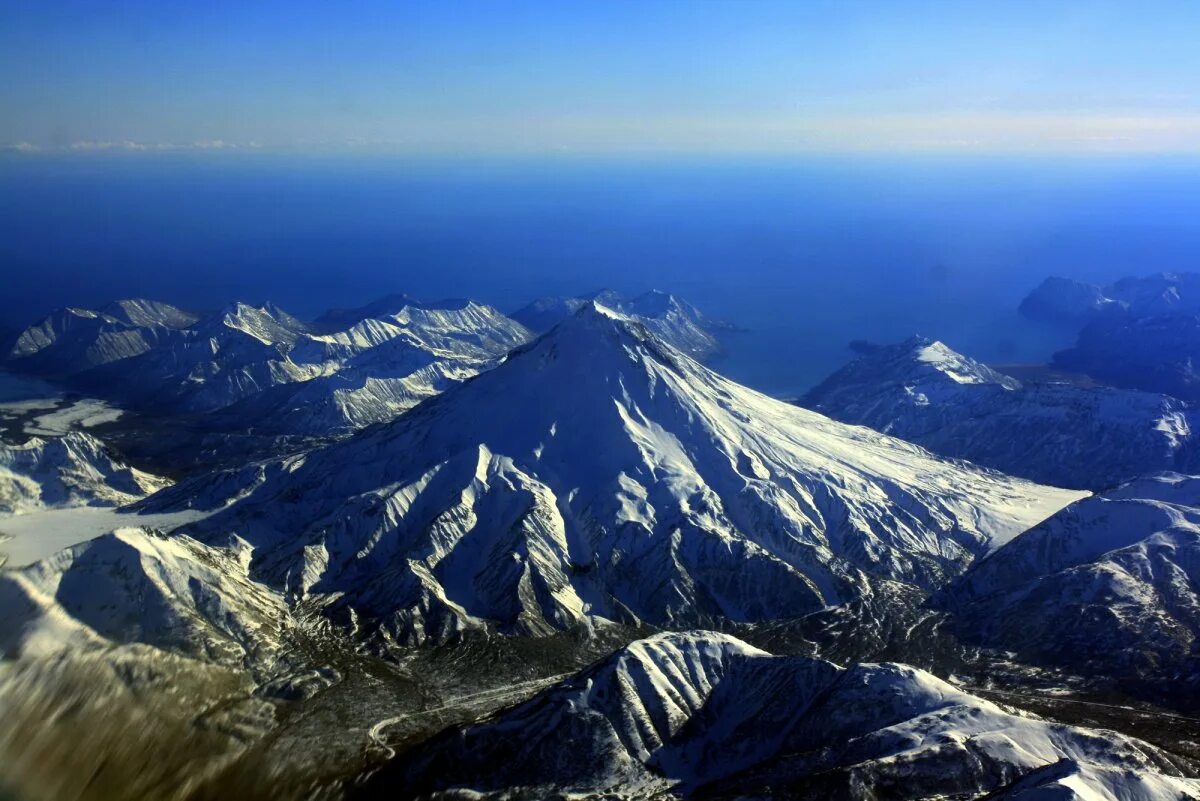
point(805, 253)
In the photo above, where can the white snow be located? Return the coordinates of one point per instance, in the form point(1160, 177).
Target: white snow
point(83, 413)
point(664, 491)
point(676, 711)
point(1054, 433)
point(35, 536)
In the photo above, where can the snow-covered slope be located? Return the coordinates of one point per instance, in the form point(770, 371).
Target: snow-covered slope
point(73, 470)
point(72, 340)
point(379, 368)
point(232, 354)
point(289, 377)
point(1109, 586)
point(149, 313)
point(1055, 433)
point(598, 474)
point(137, 585)
point(699, 714)
point(674, 321)
point(463, 330)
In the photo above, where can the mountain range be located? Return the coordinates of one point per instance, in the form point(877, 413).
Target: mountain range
point(596, 477)
point(1138, 333)
point(703, 715)
point(73, 470)
point(1053, 432)
point(471, 511)
point(600, 475)
point(260, 368)
point(1109, 586)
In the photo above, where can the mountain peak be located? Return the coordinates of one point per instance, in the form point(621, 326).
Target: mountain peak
point(594, 318)
point(918, 363)
point(669, 318)
point(663, 718)
point(599, 475)
point(146, 312)
point(600, 343)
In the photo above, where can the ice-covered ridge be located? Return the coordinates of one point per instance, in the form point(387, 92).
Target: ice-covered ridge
point(150, 356)
point(679, 714)
point(1055, 433)
point(72, 470)
point(1109, 586)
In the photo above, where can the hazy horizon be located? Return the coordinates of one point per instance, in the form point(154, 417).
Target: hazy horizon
point(807, 253)
point(540, 77)
point(816, 172)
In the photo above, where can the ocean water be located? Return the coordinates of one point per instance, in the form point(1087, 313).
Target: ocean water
point(807, 254)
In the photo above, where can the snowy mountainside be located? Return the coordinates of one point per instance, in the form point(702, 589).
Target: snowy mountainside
point(380, 368)
point(148, 313)
point(227, 356)
point(1109, 586)
point(700, 714)
point(1055, 433)
point(72, 340)
point(466, 330)
point(72, 470)
point(600, 475)
point(674, 321)
point(136, 585)
point(291, 377)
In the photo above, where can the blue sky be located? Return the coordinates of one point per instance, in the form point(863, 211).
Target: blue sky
point(650, 76)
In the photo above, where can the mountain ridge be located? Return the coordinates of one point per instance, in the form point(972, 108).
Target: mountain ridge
point(1055, 433)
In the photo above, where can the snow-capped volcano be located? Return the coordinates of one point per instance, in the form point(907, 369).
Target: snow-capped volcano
point(599, 474)
point(674, 321)
point(1055, 433)
point(705, 715)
